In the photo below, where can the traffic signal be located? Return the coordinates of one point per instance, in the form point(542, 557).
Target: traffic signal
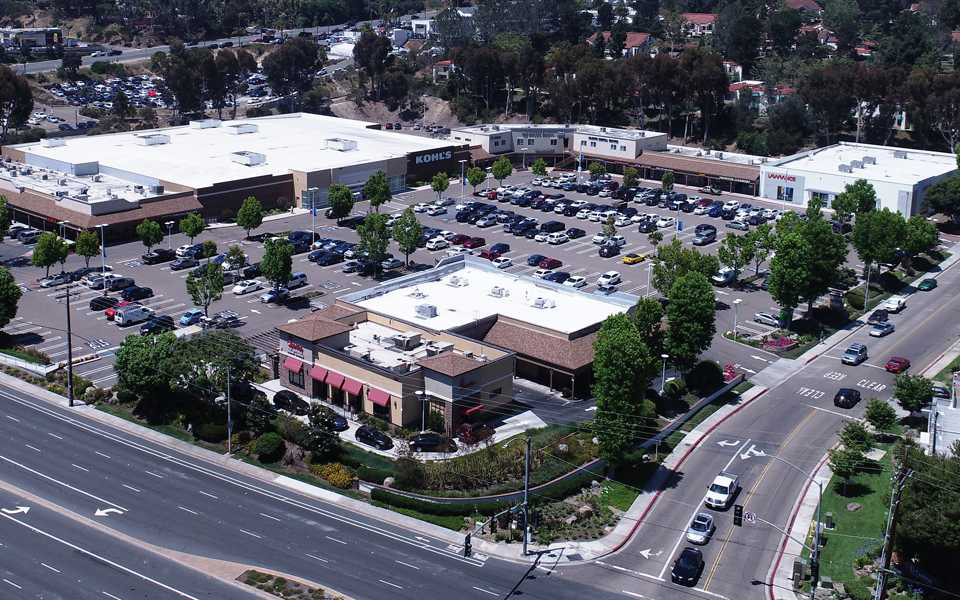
point(814, 571)
point(467, 547)
point(738, 515)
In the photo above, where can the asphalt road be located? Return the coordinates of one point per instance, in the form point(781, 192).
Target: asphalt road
point(796, 421)
point(182, 504)
point(44, 554)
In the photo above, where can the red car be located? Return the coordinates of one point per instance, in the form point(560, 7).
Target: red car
point(492, 195)
point(459, 240)
point(475, 242)
point(897, 364)
point(489, 254)
point(111, 312)
point(550, 263)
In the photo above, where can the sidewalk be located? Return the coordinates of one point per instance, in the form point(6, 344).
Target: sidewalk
point(284, 215)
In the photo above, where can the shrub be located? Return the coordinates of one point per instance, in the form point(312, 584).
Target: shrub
point(290, 429)
point(268, 447)
point(126, 397)
point(213, 433)
point(409, 474)
point(434, 508)
point(335, 474)
point(705, 377)
point(674, 389)
point(373, 474)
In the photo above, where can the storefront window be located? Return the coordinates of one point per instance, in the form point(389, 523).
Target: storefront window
point(784, 193)
point(296, 378)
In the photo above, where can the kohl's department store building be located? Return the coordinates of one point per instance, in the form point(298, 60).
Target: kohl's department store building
point(900, 176)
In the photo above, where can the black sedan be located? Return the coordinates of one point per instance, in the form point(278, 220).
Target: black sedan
point(373, 437)
point(290, 402)
point(136, 292)
point(183, 263)
point(534, 259)
point(575, 232)
point(100, 303)
point(157, 324)
point(557, 276)
point(687, 568)
point(157, 256)
point(432, 442)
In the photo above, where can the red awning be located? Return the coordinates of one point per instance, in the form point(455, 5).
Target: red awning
point(335, 379)
point(473, 410)
point(292, 364)
point(317, 373)
point(380, 398)
point(351, 386)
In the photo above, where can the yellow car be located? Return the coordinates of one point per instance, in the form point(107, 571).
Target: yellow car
point(633, 259)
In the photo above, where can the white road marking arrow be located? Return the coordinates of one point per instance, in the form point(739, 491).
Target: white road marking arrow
point(759, 358)
point(16, 511)
point(590, 409)
point(751, 451)
point(102, 512)
point(748, 370)
point(728, 442)
point(649, 552)
point(253, 310)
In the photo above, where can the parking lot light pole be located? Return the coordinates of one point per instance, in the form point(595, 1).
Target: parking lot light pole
point(103, 256)
point(663, 371)
point(463, 184)
point(169, 225)
point(736, 303)
point(69, 352)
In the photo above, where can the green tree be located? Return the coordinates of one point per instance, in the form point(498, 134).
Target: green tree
point(736, 252)
point(842, 17)
point(193, 225)
point(121, 106)
point(150, 233)
point(920, 235)
point(440, 183)
point(855, 435)
point(502, 168)
point(648, 319)
point(788, 270)
point(147, 365)
point(691, 316)
point(70, 63)
point(655, 237)
point(622, 367)
point(539, 167)
point(630, 177)
point(476, 176)
point(341, 200)
point(5, 218)
point(48, 251)
point(16, 101)
point(236, 257)
point(205, 285)
point(825, 251)
point(880, 415)
point(277, 262)
point(250, 215)
point(207, 359)
point(912, 392)
point(944, 197)
point(877, 235)
point(374, 238)
point(762, 241)
point(845, 463)
point(666, 182)
point(609, 227)
point(407, 232)
point(596, 170)
point(857, 197)
point(88, 246)
point(377, 190)
point(10, 294)
point(673, 261)
point(208, 249)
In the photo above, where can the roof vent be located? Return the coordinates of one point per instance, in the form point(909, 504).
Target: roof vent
point(61, 182)
point(339, 144)
point(204, 123)
point(250, 159)
point(153, 139)
point(241, 128)
point(540, 302)
point(426, 311)
point(499, 292)
point(856, 164)
point(456, 281)
point(844, 169)
point(869, 160)
point(52, 142)
point(899, 154)
point(156, 190)
point(720, 155)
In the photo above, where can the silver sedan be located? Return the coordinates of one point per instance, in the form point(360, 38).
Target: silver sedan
point(701, 528)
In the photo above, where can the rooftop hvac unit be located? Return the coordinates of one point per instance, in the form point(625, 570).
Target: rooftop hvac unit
point(604, 129)
point(52, 142)
point(138, 188)
point(45, 177)
point(204, 123)
point(60, 193)
point(844, 169)
point(61, 182)
point(426, 311)
point(241, 128)
point(339, 144)
point(407, 340)
point(856, 164)
point(250, 159)
point(499, 292)
point(156, 190)
point(869, 160)
point(540, 302)
point(456, 281)
point(435, 348)
point(899, 154)
point(98, 178)
point(153, 139)
point(720, 155)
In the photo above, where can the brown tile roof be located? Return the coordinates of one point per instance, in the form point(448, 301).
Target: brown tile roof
point(40, 205)
point(334, 312)
point(689, 164)
point(550, 349)
point(313, 329)
point(634, 39)
point(699, 18)
point(450, 363)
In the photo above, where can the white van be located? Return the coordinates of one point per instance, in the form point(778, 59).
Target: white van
point(297, 280)
point(132, 314)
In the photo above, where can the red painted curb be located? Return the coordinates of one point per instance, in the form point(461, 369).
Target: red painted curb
point(793, 517)
point(680, 462)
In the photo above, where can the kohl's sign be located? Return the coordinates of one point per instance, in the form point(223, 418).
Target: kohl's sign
point(432, 157)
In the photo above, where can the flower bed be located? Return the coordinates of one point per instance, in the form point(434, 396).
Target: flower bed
point(778, 343)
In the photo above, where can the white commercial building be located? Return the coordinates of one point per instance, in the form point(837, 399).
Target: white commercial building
point(900, 177)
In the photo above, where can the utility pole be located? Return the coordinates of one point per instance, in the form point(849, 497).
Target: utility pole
point(899, 483)
point(69, 352)
point(526, 495)
point(229, 419)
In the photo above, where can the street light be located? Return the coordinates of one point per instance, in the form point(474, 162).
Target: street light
point(169, 225)
point(736, 303)
point(663, 372)
point(463, 162)
point(103, 256)
point(523, 150)
point(526, 492)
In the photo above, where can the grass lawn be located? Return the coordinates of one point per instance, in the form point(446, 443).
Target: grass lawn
point(618, 495)
point(454, 522)
point(946, 374)
point(708, 410)
point(857, 533)
point(24, 356)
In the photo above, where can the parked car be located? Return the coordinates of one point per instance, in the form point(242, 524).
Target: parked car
point(432, 442)
point(111, 312)
point(103, 302)
point(502, 262)
point(136, 293)
point(246, 286)
point(575, 233)
point(704, 234)
point(740, 225)
point(665, 221)
point(766, 319)
point(897, 364)
point(550, 263)
point(157, 324)
point(191, 317)
point(185, 262)
point(275, 295)
point(722, 491)
point(724, 276)
point(121, 283)
point(846, 398)
point(475, 242)
point(609, 278)
point(687, 568)
point(437, 243)
point(927, 285)
point(373, 437)
point(701, 528)
point(132, 314)
point(190, 250)
point(292, 403)
point(55, 280)
point(534, 259)
point(557, 277)
point(390, 264)
point(576, 281)
point(895, 304)
point(609, 250)
point(157, 256)
point(633, 258)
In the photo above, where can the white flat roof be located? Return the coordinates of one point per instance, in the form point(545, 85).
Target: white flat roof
point(464, 295)
point(202, 157)
point(894, 165)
